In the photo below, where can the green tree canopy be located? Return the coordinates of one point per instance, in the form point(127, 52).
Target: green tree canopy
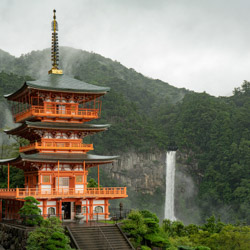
point(50, 235)
point(30, 213)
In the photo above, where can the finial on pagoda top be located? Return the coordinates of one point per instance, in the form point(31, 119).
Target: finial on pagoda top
point(55, 47)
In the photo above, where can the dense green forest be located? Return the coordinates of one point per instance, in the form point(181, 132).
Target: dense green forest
point(149, 115)
point(145, 232)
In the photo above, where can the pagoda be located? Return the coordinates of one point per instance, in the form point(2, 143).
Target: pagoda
point(52, 113)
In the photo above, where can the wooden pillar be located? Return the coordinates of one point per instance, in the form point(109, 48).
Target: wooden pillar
point(44, 209)
point(58, 176)
point(98, 177)
point(87, 211)
point(106, 207)
point(11, 209)
point(73, 183)
point(60, 209)
point(84, 178)
point(8, 176)
point(20, 205)
point(39, 182)
point(6, 208)
point(91, 212)
point(15, 209)
point(1, 209)
point(57, 207)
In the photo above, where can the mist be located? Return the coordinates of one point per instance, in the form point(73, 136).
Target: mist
point(200, 45)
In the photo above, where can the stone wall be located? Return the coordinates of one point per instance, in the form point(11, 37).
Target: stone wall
point(13, 237)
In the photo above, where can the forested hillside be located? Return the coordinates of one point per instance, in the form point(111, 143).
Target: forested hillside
point(215, 133)
point(149, 115)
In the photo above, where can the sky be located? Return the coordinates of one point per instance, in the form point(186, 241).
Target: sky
point(201, 45)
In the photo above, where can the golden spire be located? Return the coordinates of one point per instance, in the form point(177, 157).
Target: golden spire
point(55, 47)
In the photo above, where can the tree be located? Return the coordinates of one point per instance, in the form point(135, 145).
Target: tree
point(230, 237)
point(30, 212)
point(92, 183)
point(135, 227)
point(50, 235)
point(212, 225)
point(143, 229)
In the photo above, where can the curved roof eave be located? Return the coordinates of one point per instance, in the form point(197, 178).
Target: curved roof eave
point(8, 96)
point(67, 90)
point(66, 84)
point(6, 161)
point(64, 158)
point(49, 157)
point(61, 83)
point(67, 126)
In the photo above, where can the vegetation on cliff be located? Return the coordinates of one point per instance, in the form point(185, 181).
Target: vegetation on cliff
point(215, 132)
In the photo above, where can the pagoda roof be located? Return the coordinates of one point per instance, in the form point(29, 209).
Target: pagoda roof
point(63, 158)
point(57, 125)
point(63, 83)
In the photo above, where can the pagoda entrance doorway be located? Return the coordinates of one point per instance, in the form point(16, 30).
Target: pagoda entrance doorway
point(66, 208)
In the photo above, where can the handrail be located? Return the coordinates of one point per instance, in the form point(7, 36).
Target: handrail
point(124, 235)
point(69, 111)
point(72, 238)
point(54, 145)
point(105, 238)
point(64, 192)
point(41, 110)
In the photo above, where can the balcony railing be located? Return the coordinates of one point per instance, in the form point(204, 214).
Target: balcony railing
point(40, 111)
point(65, 146)
point(103, 192)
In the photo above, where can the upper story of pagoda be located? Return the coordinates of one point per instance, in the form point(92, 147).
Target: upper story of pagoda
point(57, 98)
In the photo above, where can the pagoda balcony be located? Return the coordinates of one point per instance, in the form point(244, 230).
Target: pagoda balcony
point(57, 146)
point(64, 193)
point(47, 113)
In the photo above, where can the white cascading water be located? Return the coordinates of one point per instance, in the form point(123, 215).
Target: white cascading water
point(170, 181)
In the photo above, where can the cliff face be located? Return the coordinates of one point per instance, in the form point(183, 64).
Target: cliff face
point(186, 189)
point(145, 173)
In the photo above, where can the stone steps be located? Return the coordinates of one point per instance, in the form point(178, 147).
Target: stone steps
point(100, 237)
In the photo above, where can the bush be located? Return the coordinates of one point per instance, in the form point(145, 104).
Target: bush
point(143, 228)
point(50, 235)
point(145, 248)
point(30, 213)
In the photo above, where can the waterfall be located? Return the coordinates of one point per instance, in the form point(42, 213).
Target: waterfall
point(170, 181)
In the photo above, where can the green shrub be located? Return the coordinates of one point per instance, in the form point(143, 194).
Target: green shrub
point(50, 235)
point(145, 248)
point(30, 213)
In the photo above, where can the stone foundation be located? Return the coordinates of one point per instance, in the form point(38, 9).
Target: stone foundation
point(13, 237)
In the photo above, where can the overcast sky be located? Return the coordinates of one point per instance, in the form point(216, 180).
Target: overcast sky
point(202, 45)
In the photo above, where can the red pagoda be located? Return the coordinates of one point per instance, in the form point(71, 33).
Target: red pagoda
point(52, 113)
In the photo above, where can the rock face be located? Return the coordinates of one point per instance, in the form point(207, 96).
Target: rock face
point(186, 189)
point(145, 174)
point(142, 172)
point(12, 237)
